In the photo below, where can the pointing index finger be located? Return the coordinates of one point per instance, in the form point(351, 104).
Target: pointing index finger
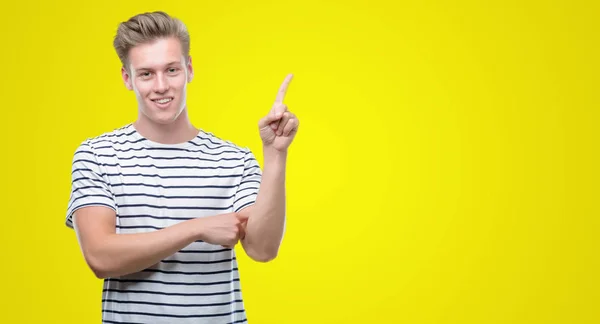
point(283, 88)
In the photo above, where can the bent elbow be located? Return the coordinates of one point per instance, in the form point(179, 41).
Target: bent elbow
point(98, 267)
point(264, 256)
point(100, 274)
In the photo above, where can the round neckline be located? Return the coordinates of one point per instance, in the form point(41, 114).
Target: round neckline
point(139, 137)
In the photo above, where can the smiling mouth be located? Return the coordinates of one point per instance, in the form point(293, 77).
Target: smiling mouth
point(163, 100)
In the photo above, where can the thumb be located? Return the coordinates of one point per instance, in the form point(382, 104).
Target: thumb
point(241, 217)
point(268, 119)
point(274, 115)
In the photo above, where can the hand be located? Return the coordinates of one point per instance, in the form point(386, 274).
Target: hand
point(225, 229)
point(278, 128)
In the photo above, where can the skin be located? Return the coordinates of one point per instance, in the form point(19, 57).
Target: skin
point(161, 70)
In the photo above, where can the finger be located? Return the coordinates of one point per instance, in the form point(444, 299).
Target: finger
point(283, 88)
point(286, 117)
point(291, 126)
point(269, 119)
point(273, 117)
point(241, 217)
point(242, 232)
point(278, 110)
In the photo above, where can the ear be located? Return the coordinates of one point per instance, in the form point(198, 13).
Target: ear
point(190, 69)
point(126, 78)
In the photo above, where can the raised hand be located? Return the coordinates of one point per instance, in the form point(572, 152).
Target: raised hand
point(279, 126)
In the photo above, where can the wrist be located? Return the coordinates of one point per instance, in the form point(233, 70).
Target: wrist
point(272, 155)
point(197, 229)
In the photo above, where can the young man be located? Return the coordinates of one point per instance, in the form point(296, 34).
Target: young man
point(158, 204)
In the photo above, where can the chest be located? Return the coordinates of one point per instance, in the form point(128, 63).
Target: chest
point(155, 191)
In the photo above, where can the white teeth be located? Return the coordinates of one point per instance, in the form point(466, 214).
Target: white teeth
point(162, 101)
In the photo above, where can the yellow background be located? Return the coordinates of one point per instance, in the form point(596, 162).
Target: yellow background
point(446, 168)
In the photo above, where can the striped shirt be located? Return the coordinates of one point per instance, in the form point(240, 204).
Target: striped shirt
point(151, 186)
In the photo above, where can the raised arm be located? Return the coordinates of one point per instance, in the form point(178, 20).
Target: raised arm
point(266, 218)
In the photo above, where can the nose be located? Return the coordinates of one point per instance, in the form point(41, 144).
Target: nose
point(161, 83)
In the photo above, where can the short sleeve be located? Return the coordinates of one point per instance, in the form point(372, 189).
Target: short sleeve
point(88, 185)
point(247, 190)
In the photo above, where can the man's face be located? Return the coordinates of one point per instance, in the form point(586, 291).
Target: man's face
point(158, 74)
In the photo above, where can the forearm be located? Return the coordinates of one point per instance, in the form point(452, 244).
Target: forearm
point(266, 222)
point(121, 254)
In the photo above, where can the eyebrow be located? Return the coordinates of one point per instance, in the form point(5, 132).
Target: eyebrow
point(168, 64)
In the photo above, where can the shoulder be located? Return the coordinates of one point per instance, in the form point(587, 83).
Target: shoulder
point(112, 138)
point(118, 136)
point(214, 141)
point(104, 143)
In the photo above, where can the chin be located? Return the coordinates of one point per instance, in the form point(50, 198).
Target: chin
point(162, 117)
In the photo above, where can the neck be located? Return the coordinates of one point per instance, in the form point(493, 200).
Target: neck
point(179, 131)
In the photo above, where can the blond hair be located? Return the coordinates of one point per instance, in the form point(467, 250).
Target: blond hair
point(147, 27)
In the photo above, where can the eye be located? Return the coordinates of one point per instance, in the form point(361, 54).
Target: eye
point(172, 70)
point(145, 74)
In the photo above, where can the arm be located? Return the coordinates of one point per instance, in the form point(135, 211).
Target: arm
point(109, 254)
point(266, 218)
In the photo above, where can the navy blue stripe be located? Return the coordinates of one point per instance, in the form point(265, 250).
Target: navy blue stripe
point(168, 158)
point(252, 167)
point(94, 204)
point(139, 227)
point(85, 160)
point(191, 273)
point(81, 169)
point(172, 315)
point(204, 251)
point(170, 187)
point(249, 181)
point(112, 134)
point(168, 304)
point(173, 149)
point(156, 217)
point(87, 196)
point(239, 321)
point(89, 179)
point(87, 187)
point(246, 188)
point(246, 196)
point(146, 226)
point(117, 142)
point(80, 151)
point(209, 138)
point(131, 291)
point(178, 207)
point(174, 283)
point(173, 177)
point(208, 148)
point(115, 322)
point(172, 197)
point(172, 167)
point(198, 262)
point(244, 205)
point(216, 147)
